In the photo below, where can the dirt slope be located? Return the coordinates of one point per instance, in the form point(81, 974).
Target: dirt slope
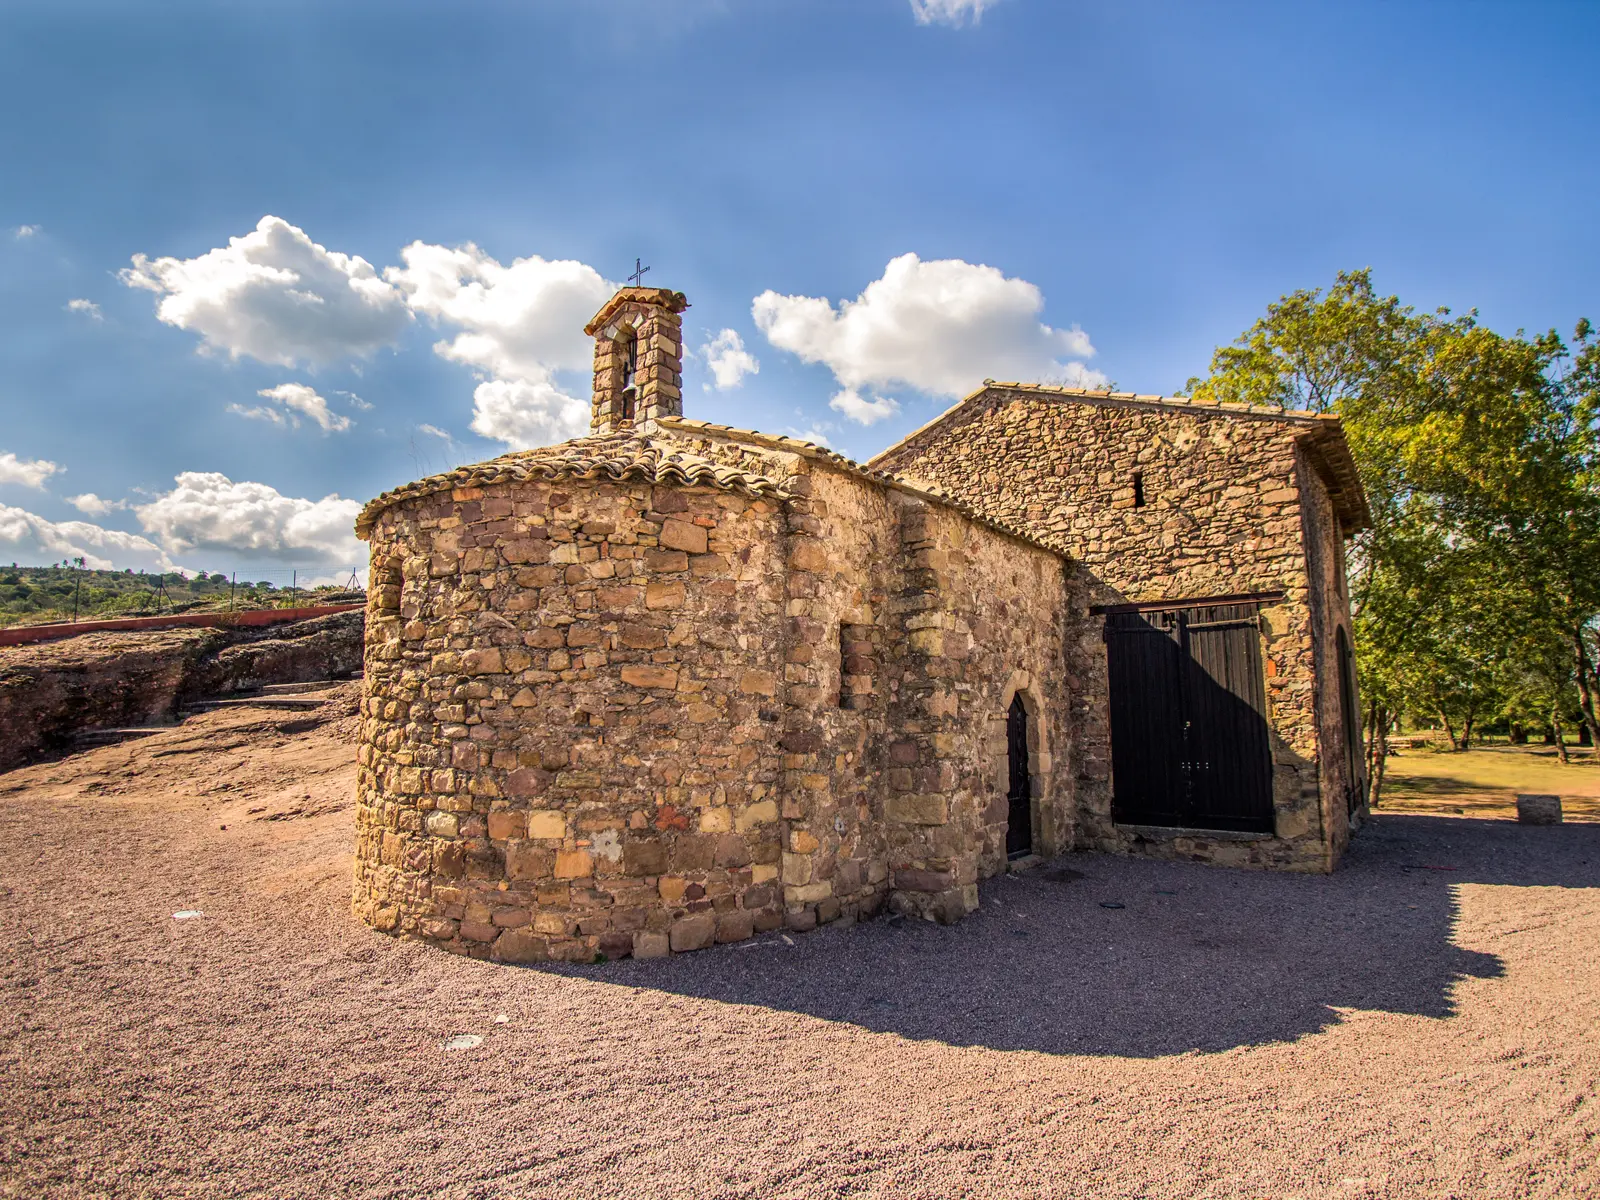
point(1395, 1030)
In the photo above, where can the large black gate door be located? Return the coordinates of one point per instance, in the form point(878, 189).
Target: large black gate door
point(1189, 743)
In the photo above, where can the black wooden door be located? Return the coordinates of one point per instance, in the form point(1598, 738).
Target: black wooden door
point(1019, 797)
point(1189, 739)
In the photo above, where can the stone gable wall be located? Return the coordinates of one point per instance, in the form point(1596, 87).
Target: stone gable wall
point(1221, 515)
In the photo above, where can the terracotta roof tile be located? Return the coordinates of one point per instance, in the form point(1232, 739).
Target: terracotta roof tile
point(616, 458)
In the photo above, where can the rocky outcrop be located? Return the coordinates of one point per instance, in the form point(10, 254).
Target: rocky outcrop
point(51, 692)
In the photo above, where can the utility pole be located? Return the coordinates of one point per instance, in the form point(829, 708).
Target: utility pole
point(233, 586)
point(77, 591)
point(294, 587)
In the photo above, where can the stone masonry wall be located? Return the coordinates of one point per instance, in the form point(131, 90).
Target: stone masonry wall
point(840, 576)
point(1330, 609)
point(978, 618)
point(913, 627)
point(569, 743)
point(1154, 503)
point(610, 718)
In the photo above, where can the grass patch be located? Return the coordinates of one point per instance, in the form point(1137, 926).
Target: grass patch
point(1485, 782)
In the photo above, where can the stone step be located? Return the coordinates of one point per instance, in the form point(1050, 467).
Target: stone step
point(294, 702)
point(296, 689)
point(107, 737)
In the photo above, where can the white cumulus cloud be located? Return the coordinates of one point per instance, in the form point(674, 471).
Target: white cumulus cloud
point(259, 412)
point(729, 361)
point(434, 431)
point(517, 326)
point(209, 512)
point(524, 413)
point(859, 409)
point(95, 506)
point(29, 472)
point(949, 12)
point(26, 231)
point(26, 535)
point(277, 296)
point(304, 400)
point(941, 327)
point(87, 307)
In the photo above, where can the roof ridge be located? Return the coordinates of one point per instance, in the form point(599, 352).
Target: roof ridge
point(650, 462)
point(887, 478)
point(1297, 415)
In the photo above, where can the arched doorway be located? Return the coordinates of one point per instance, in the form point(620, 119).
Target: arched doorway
point(1350, 714)
point(1019, 796)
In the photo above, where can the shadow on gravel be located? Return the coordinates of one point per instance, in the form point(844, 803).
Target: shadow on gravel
point(1199, 958)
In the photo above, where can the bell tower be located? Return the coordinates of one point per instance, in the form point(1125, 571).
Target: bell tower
point(638, 359)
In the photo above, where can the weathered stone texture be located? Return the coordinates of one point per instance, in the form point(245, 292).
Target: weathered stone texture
point(1154, 501)
point(562, 749)
point(607, 718)
point(52, 691)
point(675, 684)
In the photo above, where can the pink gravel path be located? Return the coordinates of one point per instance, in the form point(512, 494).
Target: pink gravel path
point(1390, 1031)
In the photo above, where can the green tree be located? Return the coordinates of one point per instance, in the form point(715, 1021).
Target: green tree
point(1478, 454)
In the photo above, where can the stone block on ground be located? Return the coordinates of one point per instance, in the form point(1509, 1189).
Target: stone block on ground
point(1535, 808)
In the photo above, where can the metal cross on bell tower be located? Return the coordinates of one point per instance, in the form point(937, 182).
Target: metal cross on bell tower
point(638, 274)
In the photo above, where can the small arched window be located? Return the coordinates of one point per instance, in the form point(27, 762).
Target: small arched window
point(628, 367)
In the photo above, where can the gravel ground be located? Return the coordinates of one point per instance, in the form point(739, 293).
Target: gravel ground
point(1421, 1024)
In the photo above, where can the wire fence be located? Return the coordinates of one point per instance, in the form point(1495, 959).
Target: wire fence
point(71, 591)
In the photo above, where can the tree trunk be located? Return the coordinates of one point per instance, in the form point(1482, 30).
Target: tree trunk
point(1449, 729)
point(1377, 747)
point(1466, 734)
point(1518, 736)
point(1561, 739)
point(1586, 696)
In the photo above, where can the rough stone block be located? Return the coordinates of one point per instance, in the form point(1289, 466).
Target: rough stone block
point(545, 823)
point(504, 824)
point(796, 868)
point(573, 864)
point(664, 595)
point(758, 683)
point(692, 933)
point(682, 535)
point(759, 813)
point(650, 677)
point(808, 893)
point(486, 661)
point(1534, 808)
point(441, 824)
point(650, 945)
point(914, 809)
point(644, 857)
point(735, 926)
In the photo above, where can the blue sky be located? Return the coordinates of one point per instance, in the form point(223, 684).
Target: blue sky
point(1090, 192)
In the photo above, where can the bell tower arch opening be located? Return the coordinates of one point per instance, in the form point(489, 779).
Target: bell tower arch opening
point(638, 360)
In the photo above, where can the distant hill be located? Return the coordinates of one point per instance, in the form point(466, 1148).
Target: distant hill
point(36, 595)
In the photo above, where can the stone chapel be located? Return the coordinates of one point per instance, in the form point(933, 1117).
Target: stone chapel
point(673, 683)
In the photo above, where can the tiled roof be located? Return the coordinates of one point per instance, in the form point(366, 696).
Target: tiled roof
point(922, 490)
point(613, 457)
point(656, 459)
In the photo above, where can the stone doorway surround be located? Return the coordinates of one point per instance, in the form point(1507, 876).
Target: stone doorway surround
point(1045, 841)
